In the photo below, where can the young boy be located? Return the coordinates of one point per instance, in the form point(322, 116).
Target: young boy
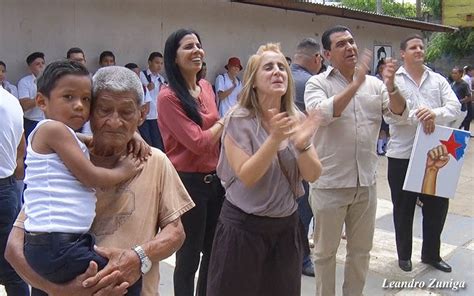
point(59, 199)
point(153, 81)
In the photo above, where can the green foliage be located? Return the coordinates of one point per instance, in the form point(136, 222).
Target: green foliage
point(390, 7)
point(433, 7)
point(457, 44)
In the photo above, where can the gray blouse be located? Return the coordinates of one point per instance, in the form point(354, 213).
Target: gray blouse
point(274, 195)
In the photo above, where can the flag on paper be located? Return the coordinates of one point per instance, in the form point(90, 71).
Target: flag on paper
point(436, 161)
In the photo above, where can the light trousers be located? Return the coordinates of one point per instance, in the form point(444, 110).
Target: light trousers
point(332, 208)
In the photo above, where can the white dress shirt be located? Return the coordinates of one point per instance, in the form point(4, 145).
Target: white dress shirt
point(27, 90)
point(435, 93)
point(346, 145)
point(11, 131)
point(11, 88)
point(468, 80)
point(158, 80)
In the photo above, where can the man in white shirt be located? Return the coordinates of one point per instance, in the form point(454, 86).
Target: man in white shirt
point(468, 73)
point(351, 105)
point(11, 166)
point(431, 101)
point(153, 81)
point(27, 92)
point(228, 86)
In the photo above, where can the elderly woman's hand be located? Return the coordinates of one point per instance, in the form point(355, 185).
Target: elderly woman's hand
point(138, 147)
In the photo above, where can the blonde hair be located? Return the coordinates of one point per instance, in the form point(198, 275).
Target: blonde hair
point(248, 96)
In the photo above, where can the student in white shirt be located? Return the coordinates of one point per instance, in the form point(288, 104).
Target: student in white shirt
point(147, 99)
point(11, 88)
point(152, 80)
point(27, 92)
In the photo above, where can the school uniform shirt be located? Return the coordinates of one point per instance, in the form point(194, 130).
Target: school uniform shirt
point(159, 81)
point(11, 88)
point(27, 89)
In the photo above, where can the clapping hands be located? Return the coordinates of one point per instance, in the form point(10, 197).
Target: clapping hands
point(304, 129)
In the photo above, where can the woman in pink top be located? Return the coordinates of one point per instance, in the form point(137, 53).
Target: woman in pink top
point(190, 128)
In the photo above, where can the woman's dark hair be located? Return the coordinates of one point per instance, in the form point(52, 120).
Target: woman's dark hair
point(175, 77)
point(3, 64)
point(55, 71)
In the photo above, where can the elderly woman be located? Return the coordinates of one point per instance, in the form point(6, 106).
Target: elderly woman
point(137, 223)
point(190, 128)
point(267, 150)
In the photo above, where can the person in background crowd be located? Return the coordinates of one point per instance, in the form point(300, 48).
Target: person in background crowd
point(384, 133)
point(153, 81)
point(106, 58)
point(146, 101)
point(267, 149)
point(203, 72)
point(431, 101)
point(306, 63)
point(76, 54)
point(11, 169)
point(11, 88)
point(228, 86)
point(137, 223)
point(468, 73)
point(351, 104)
point(190, 128)
point(288, 60)
point(27, 92)
point(464, 95)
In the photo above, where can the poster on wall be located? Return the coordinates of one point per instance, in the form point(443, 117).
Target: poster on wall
point(381, 52)
point(436, 161)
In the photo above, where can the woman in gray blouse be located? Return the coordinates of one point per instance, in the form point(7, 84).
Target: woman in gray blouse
point(266, 150)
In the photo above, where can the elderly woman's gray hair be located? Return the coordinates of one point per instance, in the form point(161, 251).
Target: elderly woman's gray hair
point(117, 79)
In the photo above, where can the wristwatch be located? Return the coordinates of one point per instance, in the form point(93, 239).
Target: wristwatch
point(145, 262)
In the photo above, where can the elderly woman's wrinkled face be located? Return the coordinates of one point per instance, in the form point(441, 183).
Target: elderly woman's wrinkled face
point(271, 77)
point(115, 117)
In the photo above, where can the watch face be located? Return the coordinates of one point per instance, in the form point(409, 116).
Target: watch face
point(146, 265)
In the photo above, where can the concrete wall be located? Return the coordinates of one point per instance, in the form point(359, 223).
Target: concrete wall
point(134, 28)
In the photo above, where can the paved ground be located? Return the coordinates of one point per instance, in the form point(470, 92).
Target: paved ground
point(457, 248)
